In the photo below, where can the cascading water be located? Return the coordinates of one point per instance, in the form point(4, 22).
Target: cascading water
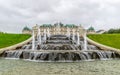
point(73, 36)
point(68, 32)
point(60, 48)
point(39, 37)
point(85, 42)
point(78, 39)
point(48, 32)
point(33, 41)
point(61, 55)
point(45, 37)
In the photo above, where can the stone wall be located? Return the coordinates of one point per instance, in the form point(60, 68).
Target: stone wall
point(13, 47)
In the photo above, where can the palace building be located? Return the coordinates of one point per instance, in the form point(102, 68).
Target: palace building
point(26, 30)
point(58, 28)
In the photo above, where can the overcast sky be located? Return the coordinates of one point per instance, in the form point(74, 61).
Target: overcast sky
point(16, 14)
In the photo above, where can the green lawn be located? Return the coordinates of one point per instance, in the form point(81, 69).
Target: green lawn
point(11, 39)
point(112, 40)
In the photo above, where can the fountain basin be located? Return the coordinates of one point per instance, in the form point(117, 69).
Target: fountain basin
point(61, 55)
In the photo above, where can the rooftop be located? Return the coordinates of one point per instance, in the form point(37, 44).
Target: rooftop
point(26, 28)
point(91, 29)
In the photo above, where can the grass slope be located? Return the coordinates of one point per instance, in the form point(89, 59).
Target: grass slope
point(11, 39)
point(112, 40)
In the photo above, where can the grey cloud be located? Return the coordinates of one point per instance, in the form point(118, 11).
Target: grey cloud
point(15, 14)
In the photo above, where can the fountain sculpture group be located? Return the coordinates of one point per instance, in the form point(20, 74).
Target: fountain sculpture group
point(60, 48)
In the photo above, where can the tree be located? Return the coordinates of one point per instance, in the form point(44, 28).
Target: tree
point(112, 31)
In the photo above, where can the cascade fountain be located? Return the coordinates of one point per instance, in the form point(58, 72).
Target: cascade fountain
point(68, 32)
point(73, 35)
point(45, 37)
point(48, 32)
point(78, 39)
point(60, 48)
point(85, 42)
point(39, 36)
point(33, 41)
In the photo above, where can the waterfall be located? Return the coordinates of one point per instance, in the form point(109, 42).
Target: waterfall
point(61, 56)
point(48, 32)
point(46, 46)
point(33, 41)
point(39, 36)
point(68, 32)
point(73, 36)
point(85, 41)
point(45, 35)
point(78, 39)
point(60, 48)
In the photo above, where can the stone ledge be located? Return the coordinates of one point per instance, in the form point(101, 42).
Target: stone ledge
point(61, 51)
point(103, 47)
point(16, 45)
